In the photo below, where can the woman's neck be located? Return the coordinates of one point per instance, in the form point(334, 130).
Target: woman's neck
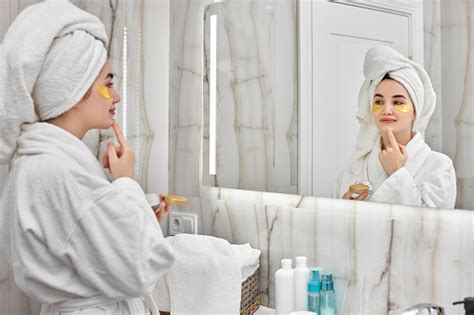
point(68, 125)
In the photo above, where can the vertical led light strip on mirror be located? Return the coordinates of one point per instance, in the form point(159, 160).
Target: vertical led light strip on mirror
point(124, 83)
point(137, 105)
point(212, 97)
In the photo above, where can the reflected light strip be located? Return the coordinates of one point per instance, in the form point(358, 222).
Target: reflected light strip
point(212, 98)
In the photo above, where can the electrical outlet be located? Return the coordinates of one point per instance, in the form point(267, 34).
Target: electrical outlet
point(183, 223)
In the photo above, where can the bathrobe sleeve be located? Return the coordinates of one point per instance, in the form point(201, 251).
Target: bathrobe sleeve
point(106, 232)
point(435, 187)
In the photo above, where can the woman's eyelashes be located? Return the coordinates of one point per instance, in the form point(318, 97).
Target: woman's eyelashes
point(377, 105)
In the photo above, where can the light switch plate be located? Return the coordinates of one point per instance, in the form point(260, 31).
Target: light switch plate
point(183, 223)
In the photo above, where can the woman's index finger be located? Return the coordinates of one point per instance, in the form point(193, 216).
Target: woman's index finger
point(392, 139)
point(120, 137)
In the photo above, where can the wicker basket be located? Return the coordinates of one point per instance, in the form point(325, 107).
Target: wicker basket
point(250, 298)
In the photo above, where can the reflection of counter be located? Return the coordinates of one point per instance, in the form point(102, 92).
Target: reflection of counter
point(385, 258)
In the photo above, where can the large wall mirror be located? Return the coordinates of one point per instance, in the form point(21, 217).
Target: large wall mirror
point(251, 99)
point(281, 81)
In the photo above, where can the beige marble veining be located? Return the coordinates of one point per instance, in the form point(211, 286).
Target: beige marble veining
point(257, 101)
point(385, 258)
point(465, 120)
point(432, 64)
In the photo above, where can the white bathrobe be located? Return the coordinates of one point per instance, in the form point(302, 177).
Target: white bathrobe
point(76, 241)
point(427, 179)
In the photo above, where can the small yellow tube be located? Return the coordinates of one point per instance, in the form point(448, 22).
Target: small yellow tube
point(173, 199)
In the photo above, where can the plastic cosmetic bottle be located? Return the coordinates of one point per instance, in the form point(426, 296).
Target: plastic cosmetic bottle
point(314, 288)
point(284, 288)
point(328, 296)
point(301, 277)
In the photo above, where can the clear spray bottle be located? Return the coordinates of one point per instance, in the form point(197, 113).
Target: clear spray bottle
point(328, 296)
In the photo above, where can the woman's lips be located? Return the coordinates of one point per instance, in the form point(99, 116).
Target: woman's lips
point(387, 121)
point(112, 112)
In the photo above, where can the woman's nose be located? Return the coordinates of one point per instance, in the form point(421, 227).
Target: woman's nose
point(116, 96)
point(387, 109)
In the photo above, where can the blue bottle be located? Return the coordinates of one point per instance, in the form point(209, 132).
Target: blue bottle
point(328, 296)
point(314, 288)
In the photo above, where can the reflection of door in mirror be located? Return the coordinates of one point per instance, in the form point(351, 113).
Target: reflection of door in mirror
point(338, 56)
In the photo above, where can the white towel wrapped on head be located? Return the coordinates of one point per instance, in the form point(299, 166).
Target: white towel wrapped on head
point(49, 58)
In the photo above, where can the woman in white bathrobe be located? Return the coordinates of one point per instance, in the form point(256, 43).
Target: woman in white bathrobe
point(396, 102)
point(79, 239)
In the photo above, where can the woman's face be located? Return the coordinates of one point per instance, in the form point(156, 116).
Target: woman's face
point(98, 108)
point(392, 106)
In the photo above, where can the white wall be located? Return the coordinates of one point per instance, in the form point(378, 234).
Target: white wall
point(156, 50)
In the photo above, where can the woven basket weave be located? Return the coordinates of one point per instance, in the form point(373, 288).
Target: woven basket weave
point(250, 299)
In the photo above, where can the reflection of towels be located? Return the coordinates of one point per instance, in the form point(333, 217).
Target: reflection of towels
point(205, 278)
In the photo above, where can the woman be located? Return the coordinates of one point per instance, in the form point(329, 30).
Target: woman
point(79, 240)
point(396, 102)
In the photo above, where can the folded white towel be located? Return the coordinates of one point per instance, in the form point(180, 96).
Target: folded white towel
point(49, 58)
point(249, 259)
point(206, 277)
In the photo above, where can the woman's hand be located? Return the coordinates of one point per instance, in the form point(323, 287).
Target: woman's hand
point(163, 210)
point(119, 160)
point(348, 195)
point(394, 156)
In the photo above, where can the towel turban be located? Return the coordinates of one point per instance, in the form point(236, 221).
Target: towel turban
point(50, 56)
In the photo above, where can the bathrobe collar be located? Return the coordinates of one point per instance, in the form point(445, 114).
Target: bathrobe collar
point(46, 138)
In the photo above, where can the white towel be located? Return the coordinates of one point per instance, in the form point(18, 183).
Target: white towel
point(249, 259)
point(49, 58)
point(205, 278)
point(379, 61)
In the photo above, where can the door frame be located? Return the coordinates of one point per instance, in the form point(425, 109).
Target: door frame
point(413, 9)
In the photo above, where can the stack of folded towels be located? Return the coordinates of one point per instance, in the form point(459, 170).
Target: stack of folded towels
point(207, 275)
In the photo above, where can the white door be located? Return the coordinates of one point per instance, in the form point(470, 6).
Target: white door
point(342, 34)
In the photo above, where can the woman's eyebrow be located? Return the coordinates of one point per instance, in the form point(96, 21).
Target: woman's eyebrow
point(398, 96)
point(378, 95)
point(110, 75)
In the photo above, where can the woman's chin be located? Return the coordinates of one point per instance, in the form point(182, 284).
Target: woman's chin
point(106, 124)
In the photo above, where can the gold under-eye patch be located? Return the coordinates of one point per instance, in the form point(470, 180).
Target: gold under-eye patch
point(404, 108)
point(376, 107)
point(104, 92)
